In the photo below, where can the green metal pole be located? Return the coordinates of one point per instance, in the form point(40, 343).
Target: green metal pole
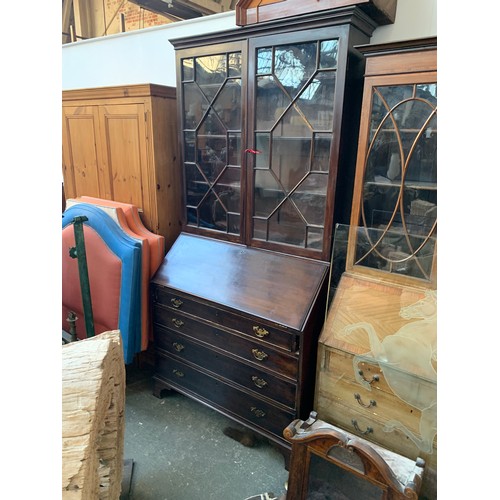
point(78, 252)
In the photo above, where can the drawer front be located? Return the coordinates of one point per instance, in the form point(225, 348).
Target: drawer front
point(255, 329)
point(372, 404)
point(256, 380)
point(372, 429)
point(228, 399)
point(259, 353)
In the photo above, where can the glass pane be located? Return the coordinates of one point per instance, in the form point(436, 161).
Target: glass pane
point(291, 158)
point(189, 146)
point(196, 185)
point(270, 103)
point(293, 124)
point(212, 125)
point(316, 102)
point(328, 54)
point(260, 229)
point(228, 189)
point(287, 226)
point(234, 149)
point(315, 238)
point(321, 152)
point(422, 161)
point(262, 143)
point(211, 70)
point(228, 105)
point(192, 216)
point(264, 61)
point(212, 213)
point(268, 193)
point(427, 91)
point(234, 59)
point(233, 223)
point(294, 65)
point(195, 105)
point(310, 198)
point(187, 69)
point(211, 156)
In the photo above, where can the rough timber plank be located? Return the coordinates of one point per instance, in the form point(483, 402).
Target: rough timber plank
point(93, 411)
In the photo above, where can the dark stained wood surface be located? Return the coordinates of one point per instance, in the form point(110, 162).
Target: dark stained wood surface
point(273, 286)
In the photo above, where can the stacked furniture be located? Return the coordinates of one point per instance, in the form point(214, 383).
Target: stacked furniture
point(267, 113)
point(377, 362)
point(121, 257)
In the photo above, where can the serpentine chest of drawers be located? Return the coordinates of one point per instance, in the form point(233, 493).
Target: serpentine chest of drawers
point(236, 329)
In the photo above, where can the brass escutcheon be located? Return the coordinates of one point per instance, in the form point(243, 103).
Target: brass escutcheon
point(178, 347)
point(259, 382)
point(177, 322)
point(260, 332)
point(257, 412)
point(260, 355)
point(176, 303)
point(178, 373)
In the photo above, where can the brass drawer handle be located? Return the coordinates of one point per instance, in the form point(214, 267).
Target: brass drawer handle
point(178, 347)
point(355, 424)
point(357, 397)
point(259, 382)
point(375, 378)
point(178, 373)
point(260, 332)
point(177, 322)
point(260, 355)
point(257, 412)
point(176, 303)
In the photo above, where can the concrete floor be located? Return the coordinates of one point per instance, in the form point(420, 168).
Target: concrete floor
point(180, 452)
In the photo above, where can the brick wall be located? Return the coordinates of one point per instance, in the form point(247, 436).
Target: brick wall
point(135, 16)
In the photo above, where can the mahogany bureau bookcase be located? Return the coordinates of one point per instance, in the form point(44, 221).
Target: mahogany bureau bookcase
point(267, 116)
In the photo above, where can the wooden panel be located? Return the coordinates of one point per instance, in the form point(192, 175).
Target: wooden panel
point(247, 350)
point(228, 399)
point(396, 440)
point(267, 285)
point(254, 379)
point(80, 156)
point(125, 155)
point(212, 313)
point(401, 63)
point(254, 11)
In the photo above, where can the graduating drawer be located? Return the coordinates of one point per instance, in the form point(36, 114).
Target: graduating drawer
point(254, 328)
point(257, 352)
point(263, 383)
point(224, 397)
point(371, 427)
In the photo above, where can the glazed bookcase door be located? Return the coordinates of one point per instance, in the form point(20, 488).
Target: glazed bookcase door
point(211, 83)
point(394, 220)
point(293, 112)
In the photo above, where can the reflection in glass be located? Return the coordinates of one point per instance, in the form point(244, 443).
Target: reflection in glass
point(327, 481)
point(399, 210)
point(212, 147)
point(294, 106)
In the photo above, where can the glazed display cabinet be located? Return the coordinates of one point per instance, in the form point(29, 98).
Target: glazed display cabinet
point(394, 218)
point(267, 120)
